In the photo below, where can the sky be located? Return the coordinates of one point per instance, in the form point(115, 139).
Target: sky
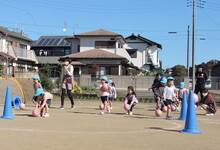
point(152, 19)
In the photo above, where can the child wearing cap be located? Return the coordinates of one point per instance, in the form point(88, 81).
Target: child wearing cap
point(112, 93)
point(43, 99)
point(180, 94)
point(36, 85)
point(158, 92)
point(169, 96)
point(104, 92)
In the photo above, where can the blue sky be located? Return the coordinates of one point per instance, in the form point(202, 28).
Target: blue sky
point(152, 19)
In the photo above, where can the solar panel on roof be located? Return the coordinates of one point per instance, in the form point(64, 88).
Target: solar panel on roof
point(45, 42)
point(50, 43)
point(41, 41)
point(56, 42)
point(62, 42)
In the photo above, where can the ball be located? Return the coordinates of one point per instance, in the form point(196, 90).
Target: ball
point(158, 112)
point(165, 109)
point(104, 87)
point(127, 107)
point(101, 106)
point(35, 113)
point(22, 106)
point(196, 98)
point(173, 108)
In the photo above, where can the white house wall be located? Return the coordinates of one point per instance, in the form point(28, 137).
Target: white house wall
point(154, 54)
point(141, 52)
point(74, 45)
point(89, 43)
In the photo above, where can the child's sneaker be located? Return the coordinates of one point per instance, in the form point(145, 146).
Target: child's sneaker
point(209, 114)
point(61, 107)
point(169, 118)
point(102, 113)
point(72, 107)
point(46, 115)
point(110, 108)
point(130, 113)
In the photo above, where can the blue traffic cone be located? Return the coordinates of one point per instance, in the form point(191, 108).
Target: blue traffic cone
point(183, 107)
point(191, 121)
point(7, 114)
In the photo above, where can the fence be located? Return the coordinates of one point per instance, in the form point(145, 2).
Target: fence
point(138, 82)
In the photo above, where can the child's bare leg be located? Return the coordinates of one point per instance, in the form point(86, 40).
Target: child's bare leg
point(158, 103)
point(168, 110)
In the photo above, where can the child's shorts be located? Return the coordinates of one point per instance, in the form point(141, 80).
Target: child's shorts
point(49, 101)
point(104, 98)
point(167, 102)
point(110, 98)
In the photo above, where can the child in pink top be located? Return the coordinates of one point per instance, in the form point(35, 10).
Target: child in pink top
point(131, 99)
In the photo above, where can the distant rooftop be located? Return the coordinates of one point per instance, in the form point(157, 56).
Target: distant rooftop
point(51, 41)
point(14, 34)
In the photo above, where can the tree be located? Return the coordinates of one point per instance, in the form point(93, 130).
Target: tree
point(179, 71)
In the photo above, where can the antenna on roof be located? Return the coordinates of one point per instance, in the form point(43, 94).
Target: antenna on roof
point(74, 28)
point(64, 27)
point(15, 29)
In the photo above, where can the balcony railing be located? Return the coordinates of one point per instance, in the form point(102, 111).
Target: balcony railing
point(17, 52)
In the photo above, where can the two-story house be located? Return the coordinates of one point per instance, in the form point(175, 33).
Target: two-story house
point(143, 52)
point(15, 53)
point(48, 49)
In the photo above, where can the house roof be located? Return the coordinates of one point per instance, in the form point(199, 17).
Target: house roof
point(94, 54)
point(51, 41)
point(145, 40)
point(14, 34)
point(99, 32)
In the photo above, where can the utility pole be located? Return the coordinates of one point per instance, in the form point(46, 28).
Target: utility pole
point(187, 65)
point(193, 44)
point(200, 4)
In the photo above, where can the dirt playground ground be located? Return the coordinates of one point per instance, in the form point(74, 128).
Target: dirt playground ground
point(84, 129)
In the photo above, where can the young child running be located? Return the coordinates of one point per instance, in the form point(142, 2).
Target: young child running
point(36, 85)
point(130, 99)
point(43, 99)
point(209, 104)
point(104, 91)
point(112, 93)
point(180, 94)
point(169, 97)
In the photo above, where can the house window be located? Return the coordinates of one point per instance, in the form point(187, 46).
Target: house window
point(23, 46)
point(67, 52)
point(105, 44)
point(132, 52)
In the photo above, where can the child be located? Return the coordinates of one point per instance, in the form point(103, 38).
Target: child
point(36, 85)
point(169, 97)
point(104, 89)
point(43, 99)
point(208, 103)
point(131, 99)
point(180, 94)
point(158, 92)
point(112, 93)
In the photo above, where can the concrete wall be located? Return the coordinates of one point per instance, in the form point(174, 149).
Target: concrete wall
point(25, 75)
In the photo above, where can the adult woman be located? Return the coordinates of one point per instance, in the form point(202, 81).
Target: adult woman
point(67, 83)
